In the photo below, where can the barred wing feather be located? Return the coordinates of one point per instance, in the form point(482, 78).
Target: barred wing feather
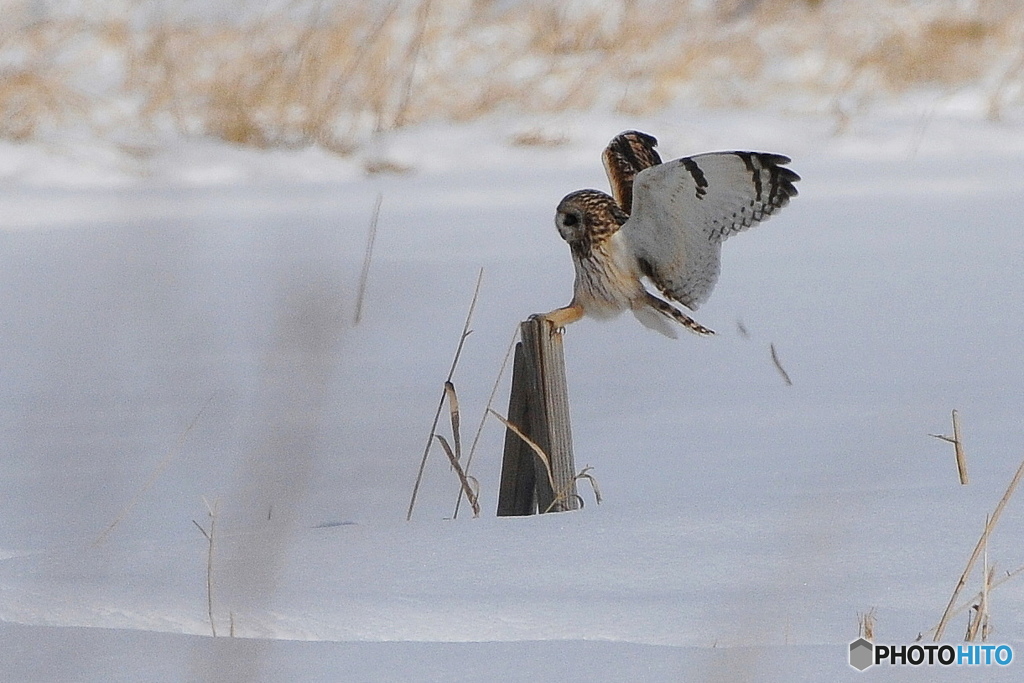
point(684, 209)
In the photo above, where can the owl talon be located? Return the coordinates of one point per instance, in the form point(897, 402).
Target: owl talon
point(560, 317)
point(553, 327)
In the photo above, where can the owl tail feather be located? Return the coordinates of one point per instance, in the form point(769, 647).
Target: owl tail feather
point(657, 314)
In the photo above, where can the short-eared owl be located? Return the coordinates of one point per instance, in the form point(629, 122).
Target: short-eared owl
point(666, 222)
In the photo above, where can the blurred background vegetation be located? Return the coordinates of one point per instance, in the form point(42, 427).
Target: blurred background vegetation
point(305, 72)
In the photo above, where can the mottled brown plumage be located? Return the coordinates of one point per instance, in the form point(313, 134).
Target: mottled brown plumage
point(589, 217)
point(625, 156)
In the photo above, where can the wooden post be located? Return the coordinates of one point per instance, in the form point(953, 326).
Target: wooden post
point(515, 494)
point(539, 406)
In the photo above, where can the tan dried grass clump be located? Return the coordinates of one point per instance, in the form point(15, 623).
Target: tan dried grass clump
point(35, 78)
point(866, 624)
point(331, 73)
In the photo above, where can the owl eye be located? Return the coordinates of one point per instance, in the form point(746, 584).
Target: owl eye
point(570, 220)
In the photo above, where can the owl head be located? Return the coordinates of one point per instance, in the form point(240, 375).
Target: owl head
point(588, 216)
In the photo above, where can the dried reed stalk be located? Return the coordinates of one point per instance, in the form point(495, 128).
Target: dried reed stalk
point(958, 448)
point(364, 275)
point(979, 624)
point(440, 404)
point(157, 471)
point(563, 494)
point(470, 486)
point(989, 526)
point(210, 536)
point(778, 366)
point(866, 624)
point(483, 417)
point(544, 459)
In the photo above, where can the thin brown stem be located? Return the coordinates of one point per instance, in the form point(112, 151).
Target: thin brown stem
point(365, 273)
point(989, 525)
point(440, 404)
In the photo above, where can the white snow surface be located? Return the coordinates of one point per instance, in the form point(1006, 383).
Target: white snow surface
point(178, 326)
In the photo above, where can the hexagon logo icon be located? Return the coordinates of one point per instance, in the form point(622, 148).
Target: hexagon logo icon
point(861, 654)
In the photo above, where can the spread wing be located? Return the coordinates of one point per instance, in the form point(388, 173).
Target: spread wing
point(626, 155)
point(684, 209)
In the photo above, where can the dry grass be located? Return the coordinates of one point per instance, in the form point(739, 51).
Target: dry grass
point(364, 274)
point(211, 536)
point(958, 449)
point(979, 548)
point(331, 73)
point(866, 624)
point(778, 366)
point(470, 487)
point(561, 494)
point(978, 627)
point(157, 471)
point(483, 417)
point(36, 77)
point(973, 604)
point(446, 395)
point(537, 138)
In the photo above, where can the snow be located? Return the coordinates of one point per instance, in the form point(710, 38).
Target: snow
point(745, 523)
